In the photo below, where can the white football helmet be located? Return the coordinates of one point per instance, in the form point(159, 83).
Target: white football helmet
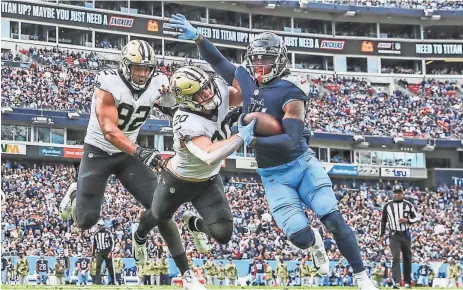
point(137, 52)
point(190, 80)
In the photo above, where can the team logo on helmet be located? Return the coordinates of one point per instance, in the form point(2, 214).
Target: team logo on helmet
point(271, 46)
point(137, 52)
point(188, 81)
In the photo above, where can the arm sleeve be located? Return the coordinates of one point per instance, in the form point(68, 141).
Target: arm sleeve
point(414, 216)
point(112, 240)
point(288, 141)
point(219, 63)
point(215, 156)
point(384, 220)
point(94, 243)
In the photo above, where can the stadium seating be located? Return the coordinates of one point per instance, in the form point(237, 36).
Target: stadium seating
point(30, 189)
point(64, 81)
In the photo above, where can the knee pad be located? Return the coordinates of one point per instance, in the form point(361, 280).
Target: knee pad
point(87, 220)
point(221, 231)
point(303, 239)
point(336, 224)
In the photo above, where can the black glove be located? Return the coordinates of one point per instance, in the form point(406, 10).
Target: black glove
point(233, 116)
point(169, 111)
point(150, 157)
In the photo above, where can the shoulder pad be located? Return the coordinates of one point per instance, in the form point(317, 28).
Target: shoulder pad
point(299, 81)
point(106, 79)
point(188, 125)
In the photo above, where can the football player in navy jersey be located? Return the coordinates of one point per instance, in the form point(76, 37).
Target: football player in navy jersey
point(83, 267)
point(290, 172)
point(41, 268)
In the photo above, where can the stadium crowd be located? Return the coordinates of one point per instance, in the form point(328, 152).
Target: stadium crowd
point(31, 223)
point(430, 109)
point(404, 4)
point(61, 80)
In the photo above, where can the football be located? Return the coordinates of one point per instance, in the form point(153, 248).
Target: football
point(266, 125)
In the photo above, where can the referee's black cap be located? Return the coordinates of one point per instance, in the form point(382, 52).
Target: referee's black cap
point(397, 188)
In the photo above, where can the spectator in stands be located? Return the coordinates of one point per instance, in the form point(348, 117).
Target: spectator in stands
point(31, 189)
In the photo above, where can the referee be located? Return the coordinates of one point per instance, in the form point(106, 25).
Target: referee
point(103, 243)
point(399, 213)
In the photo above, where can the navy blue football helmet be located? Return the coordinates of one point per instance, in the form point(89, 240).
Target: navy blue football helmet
point(270, 46)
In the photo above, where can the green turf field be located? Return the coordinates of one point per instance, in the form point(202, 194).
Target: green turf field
point(66, 287)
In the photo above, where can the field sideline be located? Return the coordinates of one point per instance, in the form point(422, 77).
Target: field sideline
point(65, 287)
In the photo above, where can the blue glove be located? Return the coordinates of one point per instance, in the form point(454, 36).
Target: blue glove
point(246, 131)
point(179, 21)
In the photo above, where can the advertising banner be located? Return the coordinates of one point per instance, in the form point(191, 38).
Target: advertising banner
point(114, 21)
point(51, 151)
point(418, 173)
point(368, 171)
point(246, 163)
point(12, 148)
point(395, 172)
point(70, 16)
point(448, 176)
point(71, 152)
point(337, 169)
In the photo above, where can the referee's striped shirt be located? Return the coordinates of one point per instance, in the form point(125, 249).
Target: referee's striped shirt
point(393, 211)
point(103, 240)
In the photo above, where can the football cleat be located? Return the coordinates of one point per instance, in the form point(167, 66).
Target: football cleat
point(200, 238)
point(66, 205)
point(319, 257)
point(367, 285)
point(139, 252)
point(190, 282)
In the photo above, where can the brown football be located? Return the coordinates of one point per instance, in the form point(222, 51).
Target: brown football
point(266, 125)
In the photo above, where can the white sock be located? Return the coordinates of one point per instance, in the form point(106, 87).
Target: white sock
point(361, 276)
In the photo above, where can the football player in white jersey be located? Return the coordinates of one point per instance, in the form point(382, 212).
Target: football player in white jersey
point(201, 142)
point(122, 101)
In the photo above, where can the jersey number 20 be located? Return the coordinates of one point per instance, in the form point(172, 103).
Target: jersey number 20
point(125, 113)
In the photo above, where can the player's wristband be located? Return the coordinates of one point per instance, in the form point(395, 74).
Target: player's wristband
point(137, 151)
point(196, 36)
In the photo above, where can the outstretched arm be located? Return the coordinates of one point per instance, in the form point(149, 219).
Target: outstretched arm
point(219, 63)
point(208, 51)
point(210, 153)
point(383, 221)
